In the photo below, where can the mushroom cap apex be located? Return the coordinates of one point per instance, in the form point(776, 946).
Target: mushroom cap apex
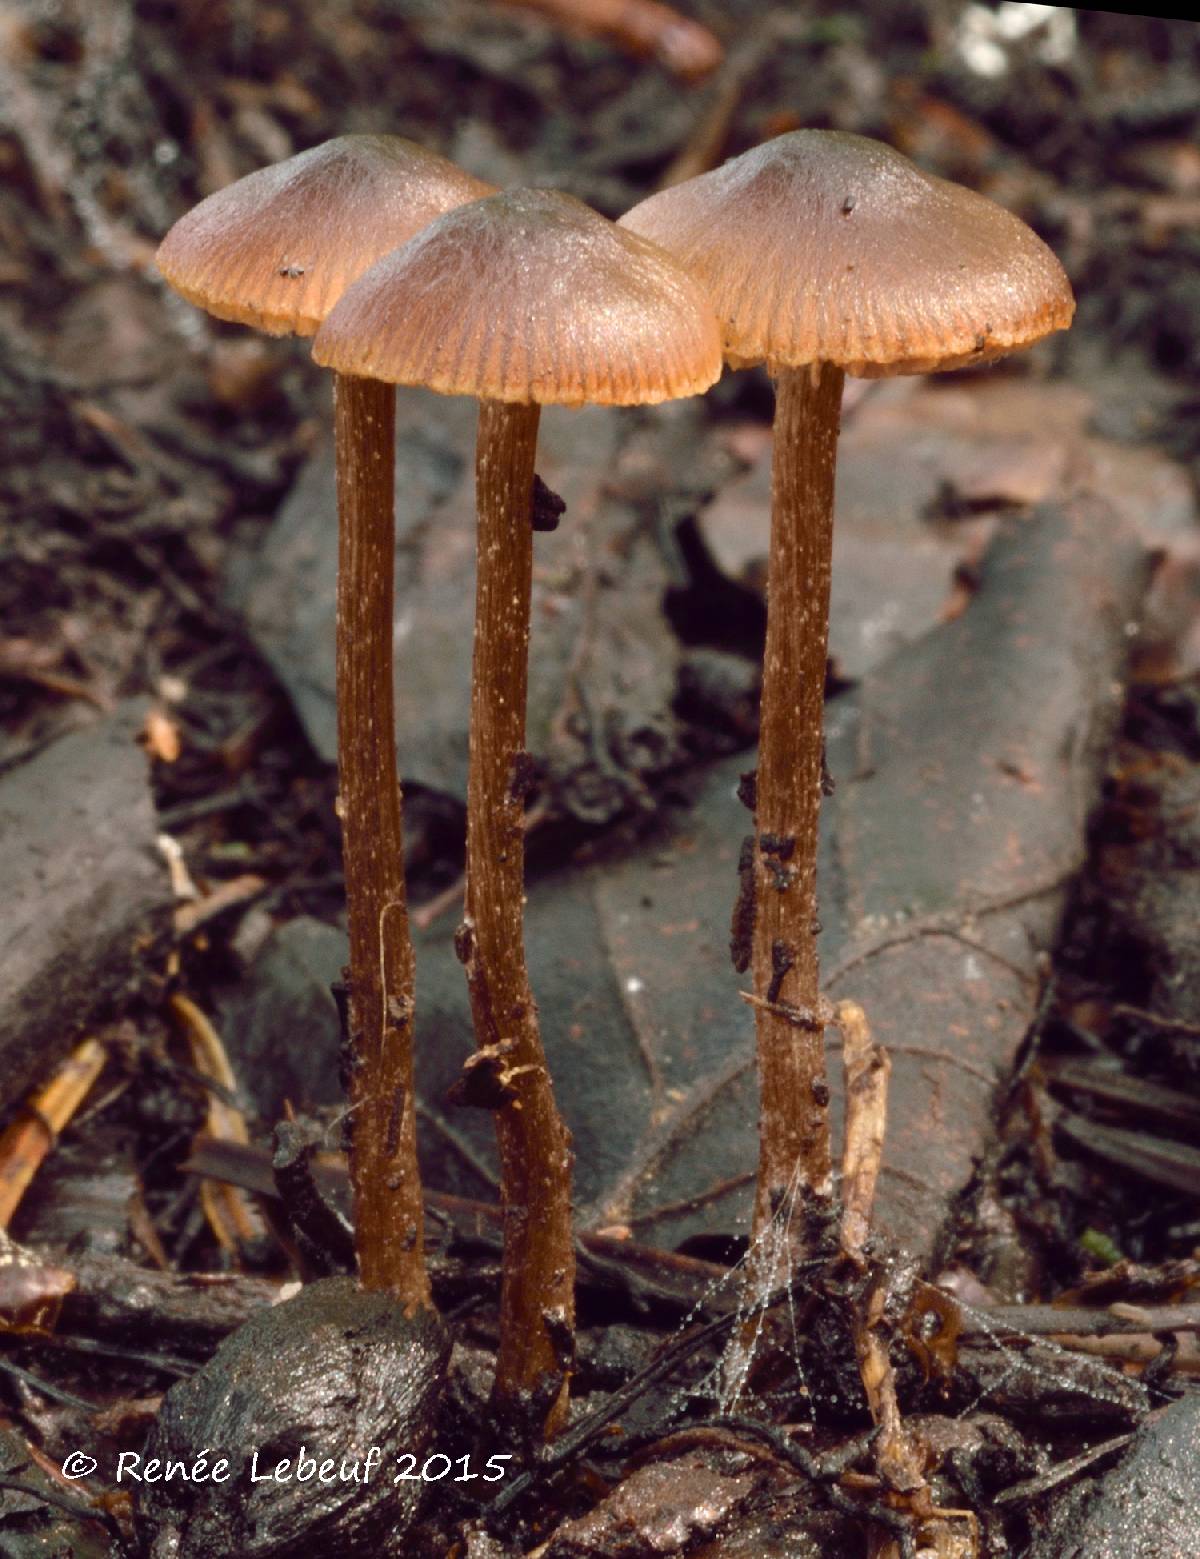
point(277, 248)
point(822, 246)
point(528, 296)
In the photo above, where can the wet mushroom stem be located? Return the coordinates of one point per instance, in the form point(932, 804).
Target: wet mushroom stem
point(794, 1143)
point(826, 254)
point(276, 250)
point(538, 1302)
point(388, 1208)
point(520, 300)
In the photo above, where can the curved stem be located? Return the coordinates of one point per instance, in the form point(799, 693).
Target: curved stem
point(388, 1214)
point(537, 1307)
point(794, 1151)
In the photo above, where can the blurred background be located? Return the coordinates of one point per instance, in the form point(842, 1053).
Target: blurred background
point(128, 422)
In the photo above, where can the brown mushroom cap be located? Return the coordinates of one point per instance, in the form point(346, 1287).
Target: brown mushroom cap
point(528, 296)
point(277, 249)
point(824, 247)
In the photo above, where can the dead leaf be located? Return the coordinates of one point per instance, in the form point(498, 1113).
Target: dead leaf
point(943, 878)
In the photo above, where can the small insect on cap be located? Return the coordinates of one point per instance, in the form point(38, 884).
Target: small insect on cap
point(528, 296)
point(824, 247)
point(277, 249)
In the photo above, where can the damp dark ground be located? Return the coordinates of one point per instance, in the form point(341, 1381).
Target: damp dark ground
point(167, 796)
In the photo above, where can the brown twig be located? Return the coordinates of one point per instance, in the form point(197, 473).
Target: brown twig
point(230, 1217)
point(1156, 1020)
point(1014, 1322)
point(641, 27)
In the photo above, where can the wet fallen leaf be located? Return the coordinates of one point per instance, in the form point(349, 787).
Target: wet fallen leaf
point(966, 769)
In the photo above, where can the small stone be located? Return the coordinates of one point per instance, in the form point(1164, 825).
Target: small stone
point(338, 1385)
point(1148, 1506)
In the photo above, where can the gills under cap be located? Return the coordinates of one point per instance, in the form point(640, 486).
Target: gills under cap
point(279, 247)
point(528, 296)
point(820, 246)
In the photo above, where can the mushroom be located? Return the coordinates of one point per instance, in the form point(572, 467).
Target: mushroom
point(826, 254)
point(524, 299)
point(276, 250)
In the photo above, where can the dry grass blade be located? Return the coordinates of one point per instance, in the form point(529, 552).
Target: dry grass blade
point(191, 916)
point(230, 1215)
point(867, 1069)
point(898, 1453)
point(28, 1139)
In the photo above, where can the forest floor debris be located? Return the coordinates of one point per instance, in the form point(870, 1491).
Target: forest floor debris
point(143, 452)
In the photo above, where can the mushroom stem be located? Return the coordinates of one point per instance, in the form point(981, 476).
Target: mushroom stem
point(794, 1151)
point(389, 1218)
point(537, 1303)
